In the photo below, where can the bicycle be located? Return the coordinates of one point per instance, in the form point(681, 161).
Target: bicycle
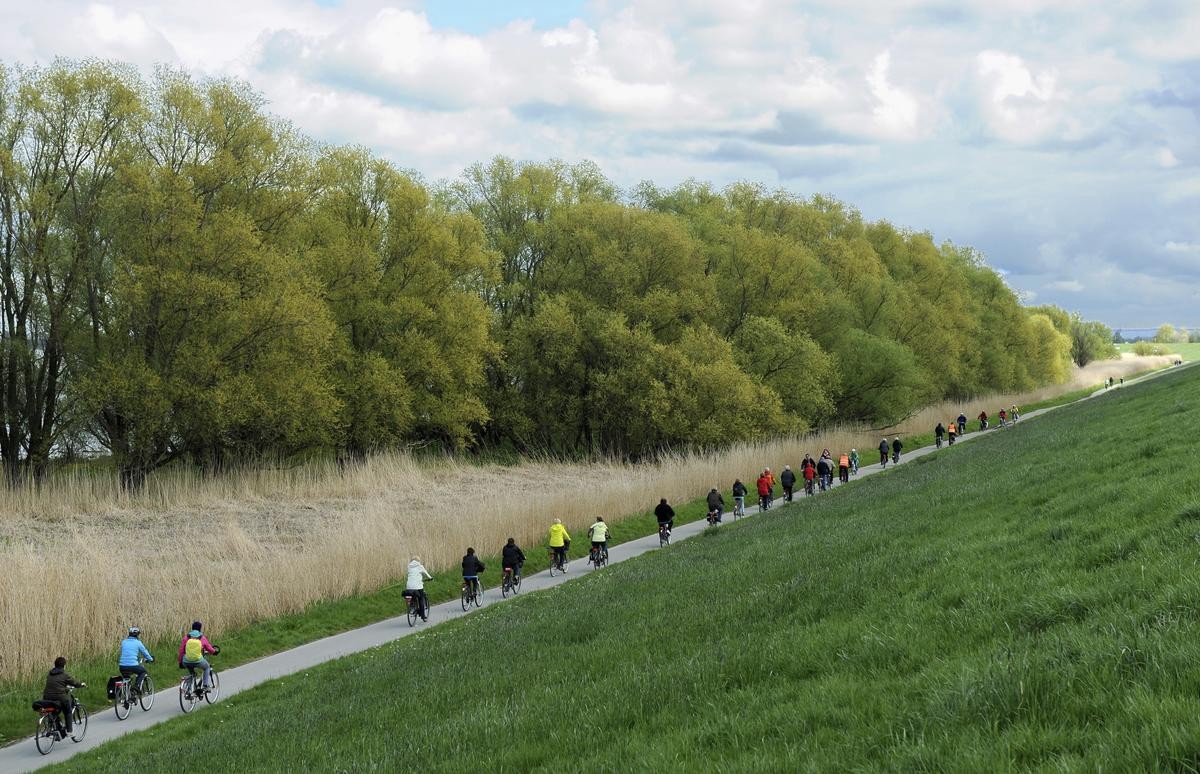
point(598, 557)
point(664, 535)
point(414, 608)
point(558, 561)
point(192, 688)
point(764, 503)
point(809, 487)
point(938, 441)
point(125, 694)
point(50, 728)
point(472, 593)
point(739, 507)
point(896, 457)
point(511, 583)
point(714, 516)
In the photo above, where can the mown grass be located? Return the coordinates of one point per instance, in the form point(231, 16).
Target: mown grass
point(1026, 601)
point(319, 620)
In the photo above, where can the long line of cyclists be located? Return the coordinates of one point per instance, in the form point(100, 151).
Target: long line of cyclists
point(63, 717)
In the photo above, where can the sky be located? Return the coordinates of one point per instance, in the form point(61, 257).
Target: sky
point(1060, 139)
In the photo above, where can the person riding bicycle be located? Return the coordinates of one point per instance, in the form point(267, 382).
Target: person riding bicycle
point(598, 533)
point(962, 423)
point(825, 470)
point(952, 432)
point(883, 453)
point(414, 586)
point(665, 514)
point(939, 433)
point(739, 497)
point(1014, 413)
point(844, 468)
point(983, 420)
point(764, 490)
point(471, 569)
point(788, 479)
point(560, 541)
point(512, 557)
point(854, 461)
point(896, 447)
point(716, 504)
point(192, 651)
point(56, 693)
point(128, 664)
point(809, 470)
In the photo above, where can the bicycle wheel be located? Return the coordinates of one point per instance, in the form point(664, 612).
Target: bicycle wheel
point(516, 584)
point(506, 587)
point(214, 690)
point(79, 719)
point(478, 596)
point(146, 699)
point(412, 614)
point(121, 702)
point(46, 734)
point(466, 598)
point(187, 698)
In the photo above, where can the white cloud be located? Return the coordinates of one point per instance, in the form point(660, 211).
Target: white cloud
point(1054, 138)
point(1068, 286)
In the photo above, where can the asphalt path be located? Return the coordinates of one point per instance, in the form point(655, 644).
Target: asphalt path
point(103, 725)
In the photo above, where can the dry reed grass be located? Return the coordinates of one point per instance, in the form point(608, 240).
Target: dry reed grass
point(81, 561)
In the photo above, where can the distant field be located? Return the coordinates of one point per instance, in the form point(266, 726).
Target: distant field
point(1188, 352)
point(1025, 601)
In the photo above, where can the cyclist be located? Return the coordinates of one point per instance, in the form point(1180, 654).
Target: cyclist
point(666, 514)
point(57, 694)
point(809, 469)
point(716, 505)
point(854, 461)
point(560, 542)
point(896, 447)
point(844, 468)
point(1003, 417)
point(825, 470)
point(127, 663)
point(512, 557)
point(939, 432)
point(952, 432)
point(598, 533)
point(764, 490)
point(883, 453)
point(983, 420)
point(739, 497)
point(414, 586)
point(788, 479)
point(192, 651)
point(962, 423)
point(1015, 414)
point(471, 569)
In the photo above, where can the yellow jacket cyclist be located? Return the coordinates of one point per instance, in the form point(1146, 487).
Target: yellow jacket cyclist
point(560, 540)
point(599, 535)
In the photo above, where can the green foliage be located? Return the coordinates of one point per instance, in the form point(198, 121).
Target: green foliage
point(1091, 341)
point(184, 277)
point(1038, 616)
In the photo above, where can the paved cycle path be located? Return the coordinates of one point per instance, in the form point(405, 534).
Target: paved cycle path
point(103, 725)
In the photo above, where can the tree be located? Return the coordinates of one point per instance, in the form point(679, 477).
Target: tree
point(1091, 341)
point(1166, 334)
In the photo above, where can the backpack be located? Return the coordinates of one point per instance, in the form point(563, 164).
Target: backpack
point(194, 650)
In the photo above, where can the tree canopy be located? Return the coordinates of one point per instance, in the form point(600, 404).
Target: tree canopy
point(185, 277)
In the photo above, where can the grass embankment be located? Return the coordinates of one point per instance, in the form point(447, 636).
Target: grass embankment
point(1025, 601)
point(320, 620)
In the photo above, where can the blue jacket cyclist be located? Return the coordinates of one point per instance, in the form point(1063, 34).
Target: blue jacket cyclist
point(132, 651)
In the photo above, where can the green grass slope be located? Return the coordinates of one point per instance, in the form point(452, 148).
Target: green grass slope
point(1025, 601)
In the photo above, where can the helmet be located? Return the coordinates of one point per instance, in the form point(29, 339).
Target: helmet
point(134, 631)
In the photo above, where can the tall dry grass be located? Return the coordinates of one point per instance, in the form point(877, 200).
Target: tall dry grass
point(80, 561)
